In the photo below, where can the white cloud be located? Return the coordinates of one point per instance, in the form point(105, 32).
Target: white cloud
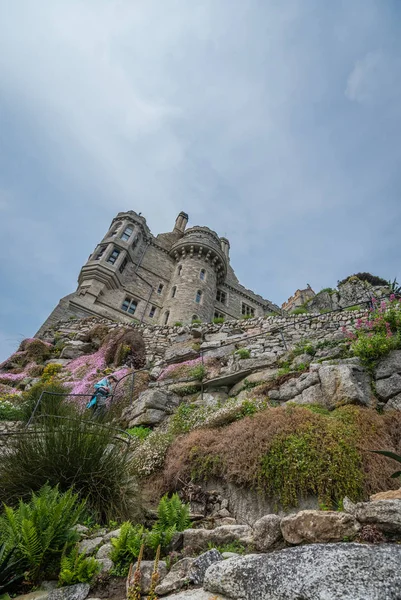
point(374, 78)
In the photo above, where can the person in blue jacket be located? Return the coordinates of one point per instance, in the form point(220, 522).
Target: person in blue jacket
point(103, 390)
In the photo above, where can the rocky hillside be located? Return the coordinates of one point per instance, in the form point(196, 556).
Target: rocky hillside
point(264, 426)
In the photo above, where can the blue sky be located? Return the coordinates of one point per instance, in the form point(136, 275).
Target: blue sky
point(274, 122)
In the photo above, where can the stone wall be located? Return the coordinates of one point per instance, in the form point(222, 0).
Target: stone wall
point(260, 335)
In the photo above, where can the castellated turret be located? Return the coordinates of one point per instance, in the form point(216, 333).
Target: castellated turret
point(178, 276)
point(200, 266)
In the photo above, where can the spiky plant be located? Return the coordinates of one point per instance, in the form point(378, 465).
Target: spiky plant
point(11, 571)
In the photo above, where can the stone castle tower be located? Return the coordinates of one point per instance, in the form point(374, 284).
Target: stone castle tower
point(180, 276)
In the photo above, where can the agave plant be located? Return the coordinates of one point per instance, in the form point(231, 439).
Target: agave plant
point(392, 455)
point(11, 571)
point(395, 288)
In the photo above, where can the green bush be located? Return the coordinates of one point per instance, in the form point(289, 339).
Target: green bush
point(243, 353)
point(77, 568)
point(352, 308)
point(247, 317)
point(218, 320)
point(368, 277)
point(50, 371)
point(197, 372)
point(178, 324)
point(42, 528)
point(9, 411)
point(140, 432)
point(73, 453)
point(11, 570)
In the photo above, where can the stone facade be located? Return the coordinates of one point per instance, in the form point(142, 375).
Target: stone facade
point(177, 276)
point(298, 299)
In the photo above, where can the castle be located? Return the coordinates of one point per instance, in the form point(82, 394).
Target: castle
point(179, 276)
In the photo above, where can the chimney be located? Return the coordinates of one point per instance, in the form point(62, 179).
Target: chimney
point(225, 246)
point(181, 222)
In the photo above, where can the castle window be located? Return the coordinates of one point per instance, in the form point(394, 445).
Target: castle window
point(135, 241)
point(195, 318)
point(123, 265)
point(173, 291)
point(179, 269)
point(129, 305)
point(218, 315)
point(100, 253)
point(221, 296)
point(166, 316)
point(198, 297)
point(127, 233)
point(160, 288)
point(113, 256)
point(248, 310)
point(152, 311)
point(202, 275)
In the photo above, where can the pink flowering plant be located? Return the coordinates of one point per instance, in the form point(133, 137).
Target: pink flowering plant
point(181, 370)
point(380, 333)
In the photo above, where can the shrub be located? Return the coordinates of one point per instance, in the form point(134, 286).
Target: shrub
point(140, 432)
point(41, 528)
point(368, 277)
point(218, 320)
point(9, 411)
point(73, 453)
point(305, 347)
point(196, 321)
point(197, 372)
point(327, 290)
point(149, 457)
point(178, 324)
point(247, 317)
point(11, 570)
point(77, 568)
point(301, 310)
point(36, 350)
point(50, 371)
point(352, 308)
point(291, 452)
point(379, 334)
point(243, 353)
point(393, 456)
point(124, 344)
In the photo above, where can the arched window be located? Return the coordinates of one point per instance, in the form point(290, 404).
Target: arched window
point(195, 318)
point(173, 291)
point(179, 270)
point(202, 275)
point(166, 316)
point(198, 297)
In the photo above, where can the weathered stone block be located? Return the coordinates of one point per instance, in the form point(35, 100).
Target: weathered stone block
point(266, 532)
point(311, 526)
point(345, 384)
point(311, 572)
point(386, 388)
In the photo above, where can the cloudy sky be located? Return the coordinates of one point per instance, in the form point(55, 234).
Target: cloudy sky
point(274, 122)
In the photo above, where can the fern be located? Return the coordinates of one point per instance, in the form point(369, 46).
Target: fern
point(127, 546)
point(77, 568)
point(41, 528)
point(172, 512)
